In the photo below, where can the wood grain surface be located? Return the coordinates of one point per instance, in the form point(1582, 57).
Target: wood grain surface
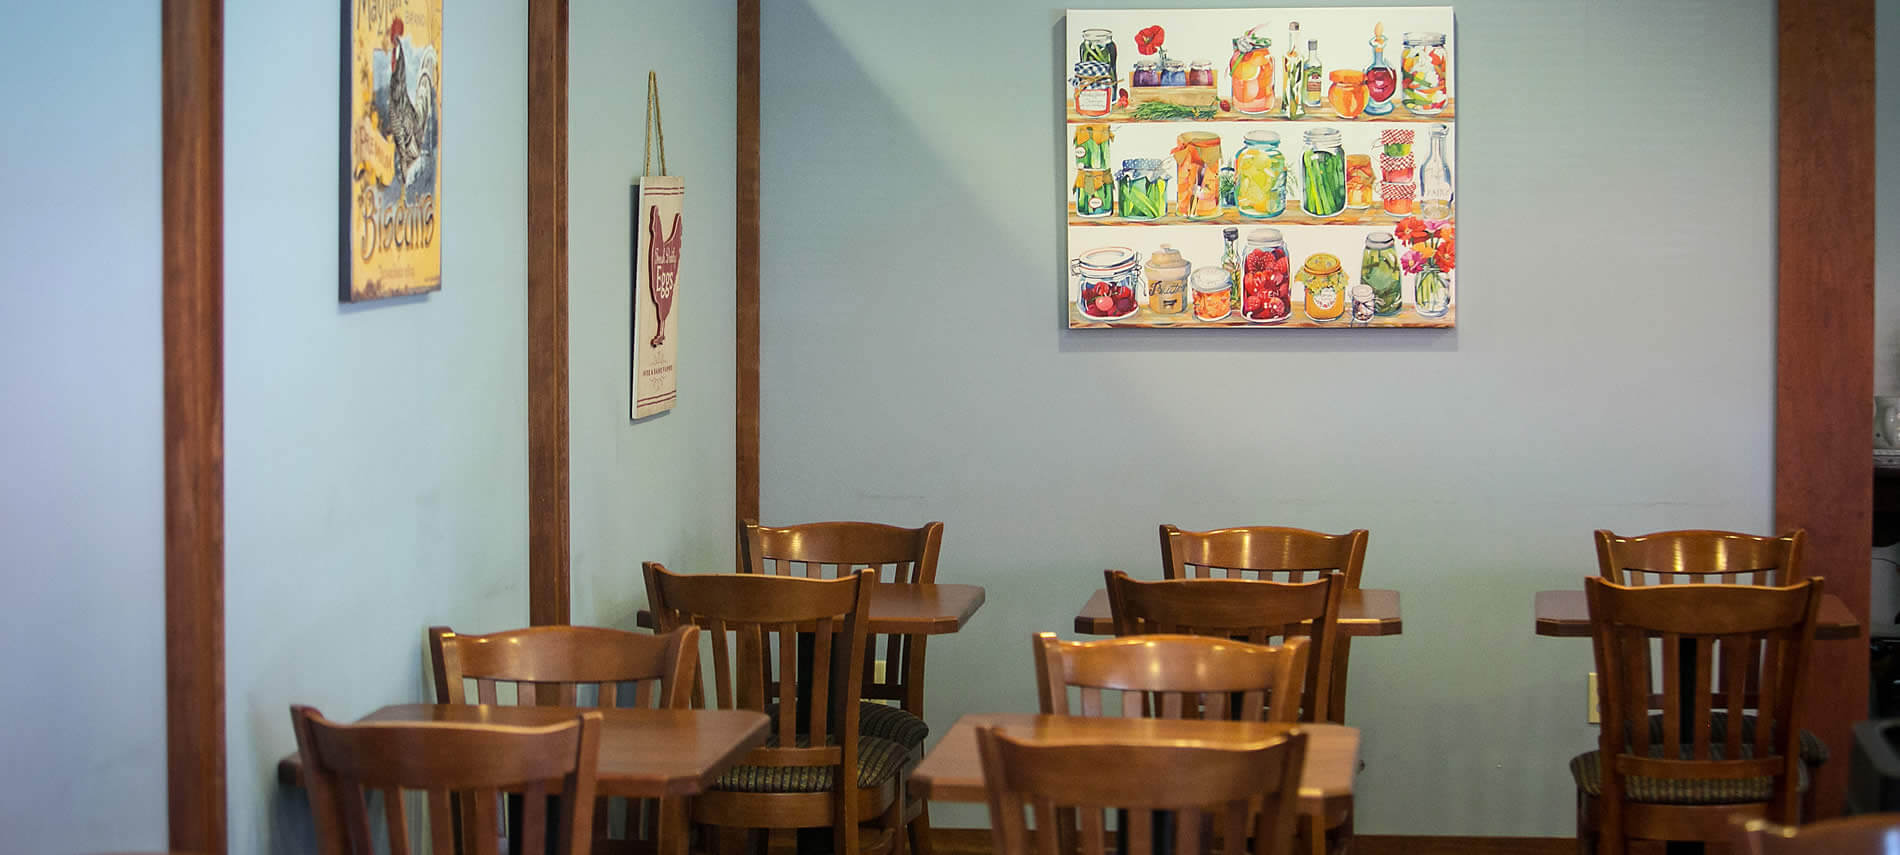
point(644, 753)
point(952, 772)
point(746, 270)
point(193, 298)
point(909, 609)
point(548, 535)
point(1361, 612)
point(1566, 614)
point(1824, 341)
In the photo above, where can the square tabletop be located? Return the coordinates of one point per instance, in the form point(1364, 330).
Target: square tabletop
point(952, 772)
point(902, 609)
point(1361, 613)
point(644, 753)
point(1566, 614)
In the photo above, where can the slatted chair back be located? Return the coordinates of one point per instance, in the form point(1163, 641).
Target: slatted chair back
point(1754, 636)
point(1255, 611)
point(1171, 676)
point(1273, 553)
point(1872, 834)
point(1219, 796)
point(755, 619)
point(827, 550)
point(1699, 557)
point(576, 664)
point(470, 763)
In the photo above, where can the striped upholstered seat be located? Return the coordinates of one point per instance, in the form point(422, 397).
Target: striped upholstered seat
point(1587, 769)
point(878, 761)
point(892, 723)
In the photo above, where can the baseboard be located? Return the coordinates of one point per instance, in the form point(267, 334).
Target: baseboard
point(976, 841)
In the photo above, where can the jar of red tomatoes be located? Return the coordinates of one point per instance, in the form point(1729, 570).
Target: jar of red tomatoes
point(1265, 290)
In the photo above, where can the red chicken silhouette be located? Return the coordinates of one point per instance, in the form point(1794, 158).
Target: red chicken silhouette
point(663, 267)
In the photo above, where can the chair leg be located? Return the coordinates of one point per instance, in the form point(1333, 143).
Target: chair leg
point(920, 831)
point(894, 823)
point(1315, 828)
point(1586, 827)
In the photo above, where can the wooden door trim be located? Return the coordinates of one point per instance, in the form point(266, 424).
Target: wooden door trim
point(548, 535)
point(192, 292)
point(1824, 335)
point(746, 268)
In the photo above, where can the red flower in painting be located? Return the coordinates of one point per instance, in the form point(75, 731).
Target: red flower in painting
point(1149, 40)
point(1411, 230)
point(1447, 254)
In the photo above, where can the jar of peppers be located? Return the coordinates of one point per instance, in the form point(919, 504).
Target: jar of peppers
point(1423, 67)
point(1197, 175)
point(1265, 294)
point(1212, 299)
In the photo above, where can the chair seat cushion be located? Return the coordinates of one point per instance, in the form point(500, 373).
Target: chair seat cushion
point(878, 761)
point(1587, 769)
point(1813, 751)
point(892, 723)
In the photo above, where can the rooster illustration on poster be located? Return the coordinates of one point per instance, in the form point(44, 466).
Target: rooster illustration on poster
point(659, 225)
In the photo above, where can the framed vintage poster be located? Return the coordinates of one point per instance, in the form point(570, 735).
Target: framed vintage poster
point(1263, 168)
point(392, 142)
point(657, 224)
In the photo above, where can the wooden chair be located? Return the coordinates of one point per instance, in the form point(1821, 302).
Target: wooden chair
point(1721, 557)
point(1276, 554)
point(827, 550)
point(1171, 676)
point(1700, 556)
point(1232, 793)
point(344, 763)
point(1685, 783)
point(553, 664)
point(815, 769)
point(1240, 609)
point(1873, 834)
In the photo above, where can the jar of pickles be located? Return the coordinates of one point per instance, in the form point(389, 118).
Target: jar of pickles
point(1323, 173)
point(1212, 300)
point(1091, 146)
point(1423, 67)
point(1325, 283)
point(1141, 189)
point(1251, 73)
point(1379, 270)
point(1265, 295)
point(1167, 274)
point(1094, 193)
point(1197, 175)
point(1261, 176)
point(1095, 73)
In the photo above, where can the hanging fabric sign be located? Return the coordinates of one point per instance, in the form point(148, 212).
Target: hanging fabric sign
point(656, 260)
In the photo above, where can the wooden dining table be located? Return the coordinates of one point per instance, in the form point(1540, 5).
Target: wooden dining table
point(904, 609)
point(953, 772)
point(1364, 612)
point(644, 753)
point(1566, 614)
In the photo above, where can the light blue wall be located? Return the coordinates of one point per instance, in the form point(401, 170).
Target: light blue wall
point(661, 489)
point(1613, 365)
point(82, 526)
point(376, 456)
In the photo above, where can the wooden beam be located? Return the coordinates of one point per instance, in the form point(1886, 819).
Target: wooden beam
point(1824, 341)
point(548, 543)
point(746, 266)
point(193, 296)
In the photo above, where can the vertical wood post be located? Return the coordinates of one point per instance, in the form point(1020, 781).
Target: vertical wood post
point(1824, 341)
point(746, 266)
point(193, 295)
point(548, 544)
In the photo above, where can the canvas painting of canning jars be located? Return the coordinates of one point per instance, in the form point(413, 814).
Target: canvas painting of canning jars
point(1261, 168)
